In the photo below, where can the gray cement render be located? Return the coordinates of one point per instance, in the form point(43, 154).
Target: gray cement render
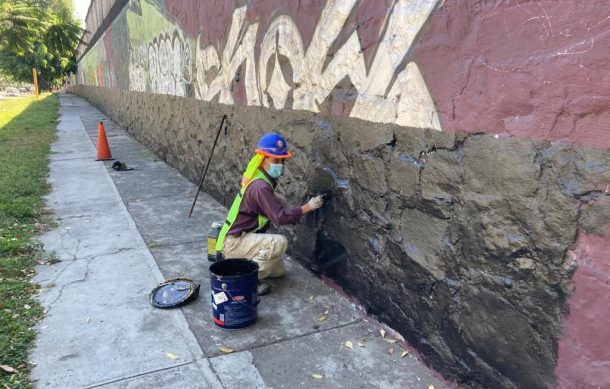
point(120, 233)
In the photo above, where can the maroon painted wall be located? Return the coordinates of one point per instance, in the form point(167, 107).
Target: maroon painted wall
point(584, 355)
point(526, 68)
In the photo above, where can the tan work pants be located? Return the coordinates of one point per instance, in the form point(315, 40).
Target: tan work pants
point(265, 249)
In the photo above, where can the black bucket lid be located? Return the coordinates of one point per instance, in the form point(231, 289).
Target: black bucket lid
point(233, 268)
point(174, 292)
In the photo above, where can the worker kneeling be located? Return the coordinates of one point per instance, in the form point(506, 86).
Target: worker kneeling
point(243, 233)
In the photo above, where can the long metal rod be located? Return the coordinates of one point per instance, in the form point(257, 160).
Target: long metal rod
point(205, 171)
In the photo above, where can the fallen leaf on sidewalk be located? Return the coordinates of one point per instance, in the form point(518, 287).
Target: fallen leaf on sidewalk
point(430, 386)
point(403, 353)
point(310, 298)
point(349, 345)
point(226, 350)
point(382, 332)
point(317, 376)
point(171, 356)
point(322, 318)
point(390, 340)
point(391, 351)
point(8, 369)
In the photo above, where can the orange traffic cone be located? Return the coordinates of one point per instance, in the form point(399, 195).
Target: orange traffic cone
point(103, 150)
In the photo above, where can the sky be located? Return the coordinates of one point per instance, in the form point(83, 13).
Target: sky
point(80, 9)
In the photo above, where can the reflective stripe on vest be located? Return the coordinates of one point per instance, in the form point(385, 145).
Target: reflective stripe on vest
point(234, 211)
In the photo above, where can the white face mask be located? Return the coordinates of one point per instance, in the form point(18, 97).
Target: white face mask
point(275, 170)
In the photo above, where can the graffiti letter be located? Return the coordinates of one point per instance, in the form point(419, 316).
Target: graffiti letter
point(409, 102)
point(283, 38)
point(232, 58)
point(331, 21)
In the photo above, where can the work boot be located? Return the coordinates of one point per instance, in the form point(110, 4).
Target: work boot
point(263, 289)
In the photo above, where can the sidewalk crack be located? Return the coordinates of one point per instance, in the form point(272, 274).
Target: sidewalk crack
point(61, 290)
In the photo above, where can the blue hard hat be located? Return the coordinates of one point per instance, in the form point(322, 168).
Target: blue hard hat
point(273, 145)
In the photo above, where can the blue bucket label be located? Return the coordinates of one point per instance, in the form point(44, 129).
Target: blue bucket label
point(234, 312)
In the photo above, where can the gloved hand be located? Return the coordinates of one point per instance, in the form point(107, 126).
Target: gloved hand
point(315, 202)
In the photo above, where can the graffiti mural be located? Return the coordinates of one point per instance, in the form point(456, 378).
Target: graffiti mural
point(169, 65)
point(276, 67)
point(93, 69)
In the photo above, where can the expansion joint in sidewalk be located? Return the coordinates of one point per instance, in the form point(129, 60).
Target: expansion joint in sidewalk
point(119, 379)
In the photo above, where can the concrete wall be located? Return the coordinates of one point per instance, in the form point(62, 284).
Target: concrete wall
point(100, 15)
point(464, 143)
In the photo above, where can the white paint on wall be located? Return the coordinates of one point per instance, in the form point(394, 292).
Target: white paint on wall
point(236, 51)
point(409, 102)
point(282, 38)
point(168, 64)
point(137, 72)
point(206, 62)
point(278, 88)
point(165, 62)
point(314, 85)
point(391, 91)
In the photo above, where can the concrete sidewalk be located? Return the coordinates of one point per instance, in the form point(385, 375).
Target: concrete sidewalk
point(120, 233)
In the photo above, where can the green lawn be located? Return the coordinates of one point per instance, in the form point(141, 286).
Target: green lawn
point(27, 129)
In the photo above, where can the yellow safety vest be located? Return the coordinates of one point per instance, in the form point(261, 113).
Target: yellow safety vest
point(234, 211)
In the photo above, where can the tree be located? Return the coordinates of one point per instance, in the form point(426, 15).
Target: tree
point(39, 34)
point(18, 24)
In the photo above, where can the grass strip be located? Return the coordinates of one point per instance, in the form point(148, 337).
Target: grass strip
point(27, 129)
